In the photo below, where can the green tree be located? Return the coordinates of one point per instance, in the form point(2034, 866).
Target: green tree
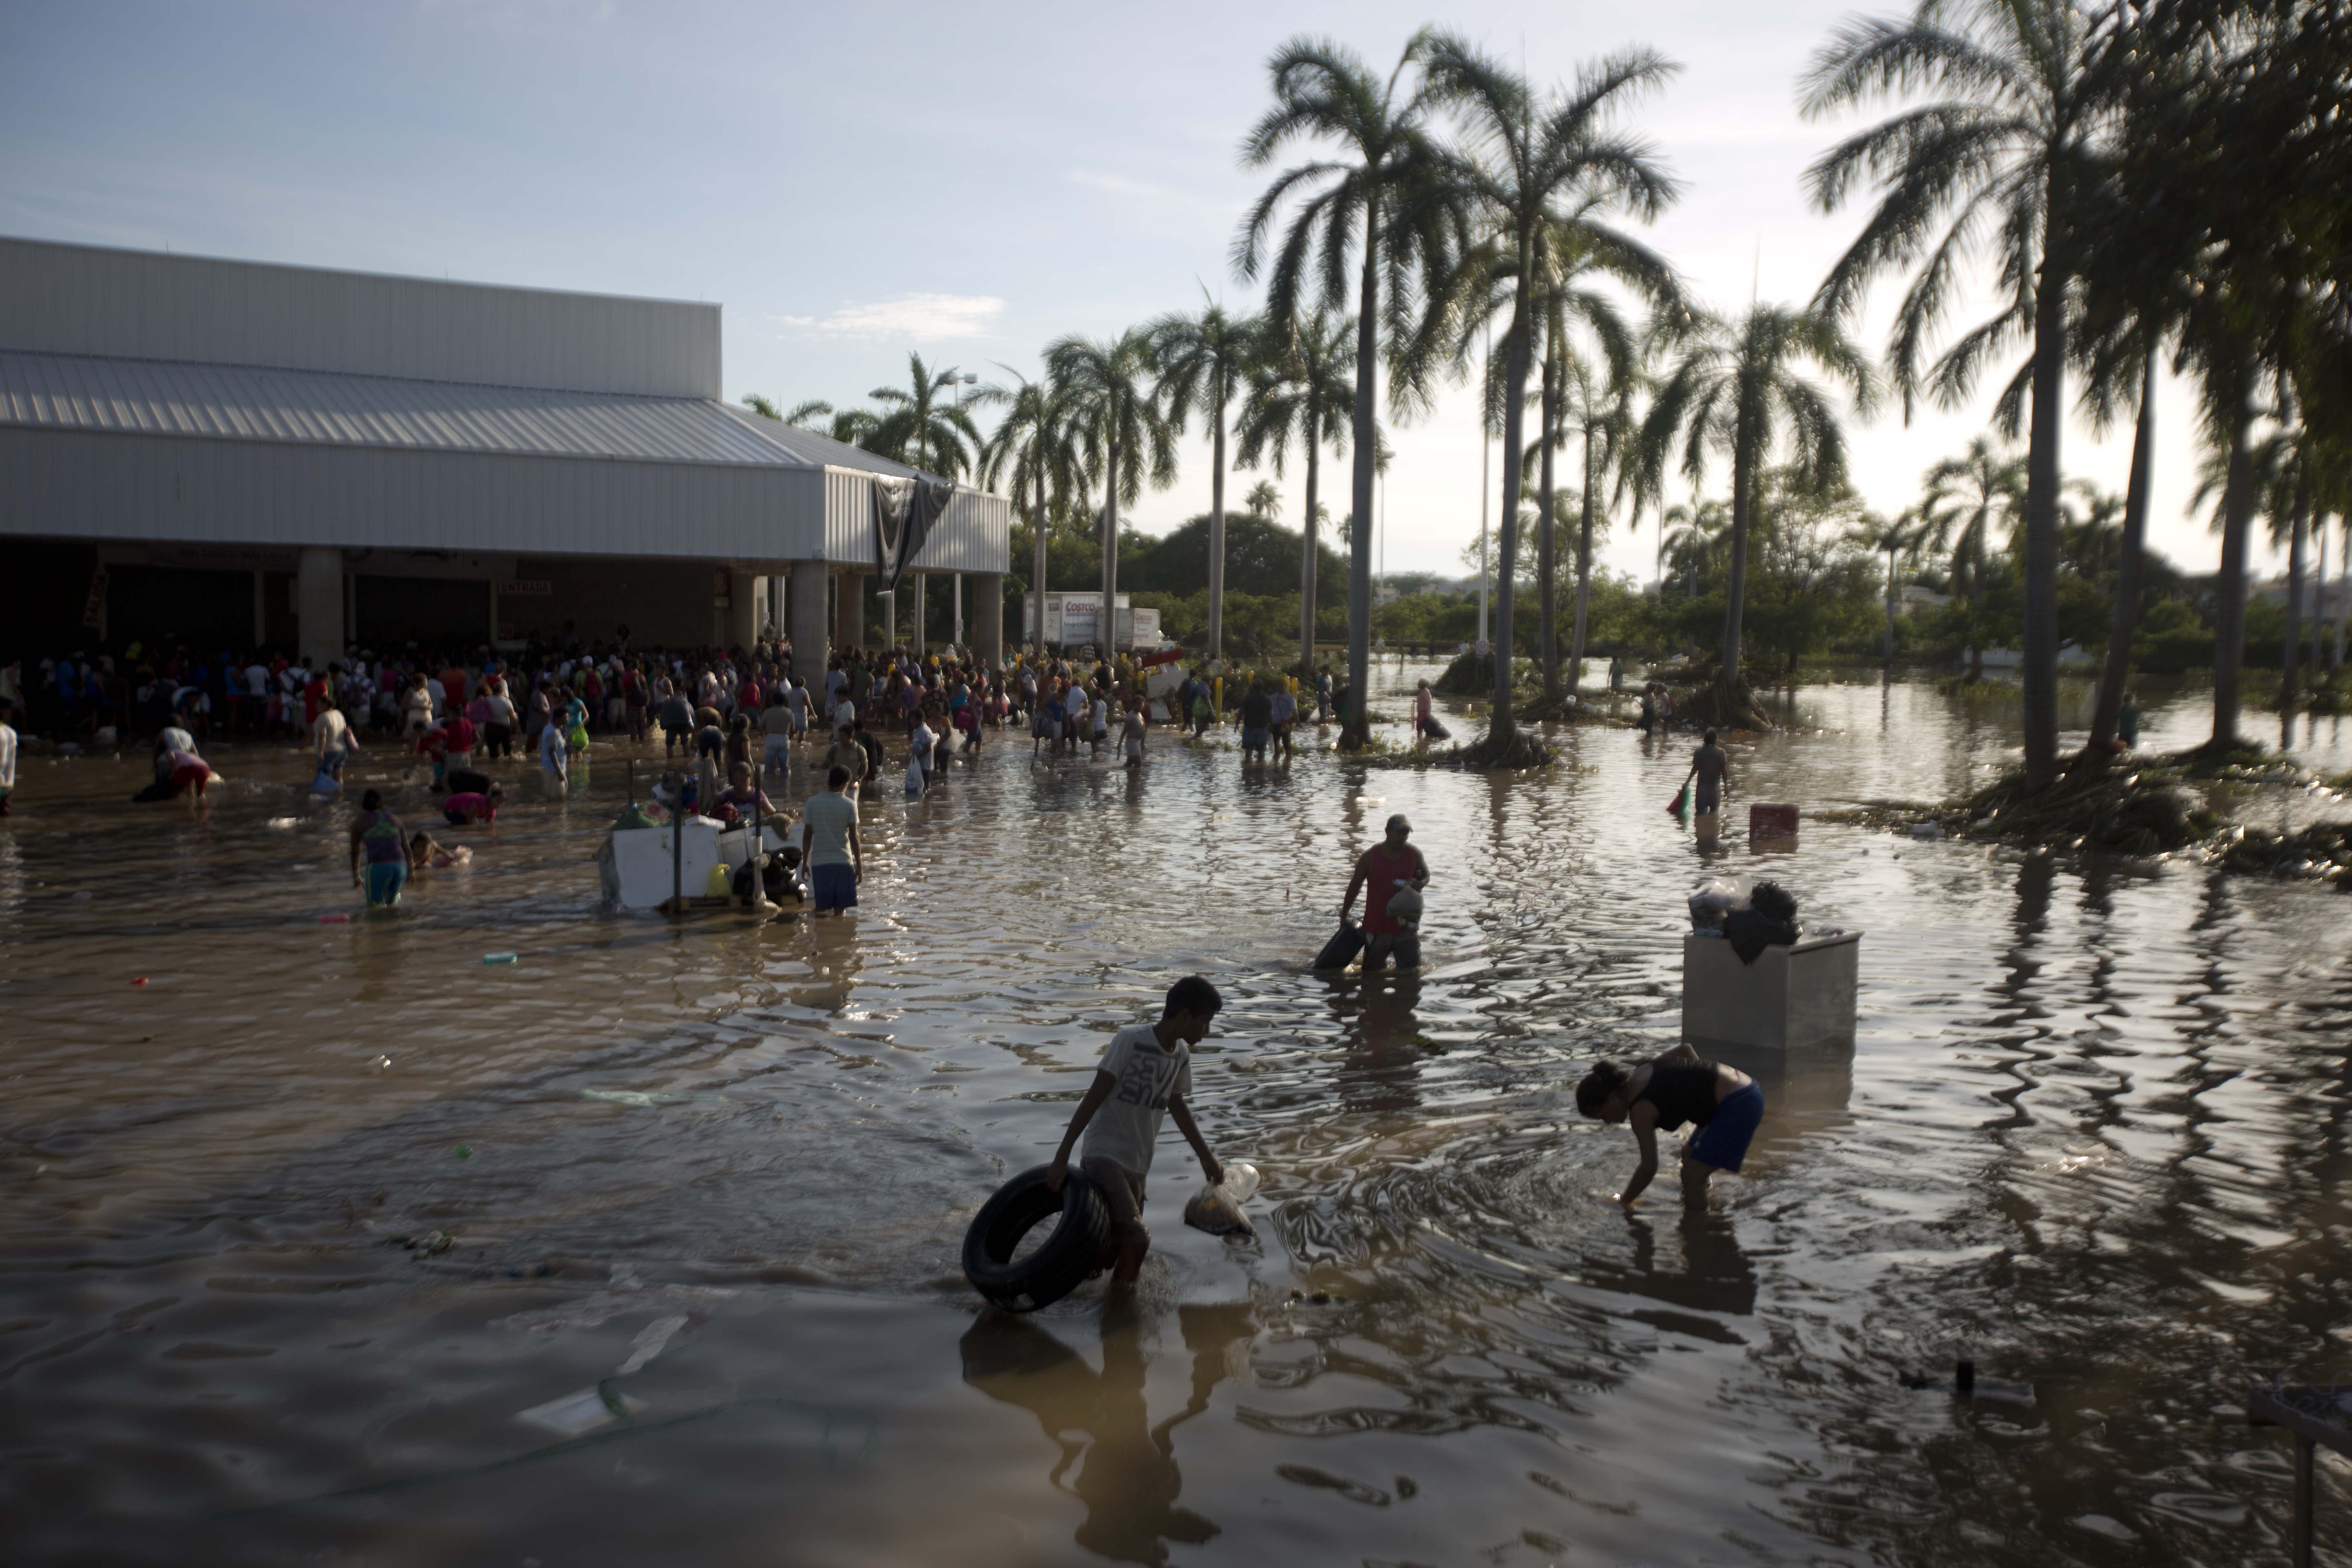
point(923, 425)
point(1735, 391)
point(1206, 358)
point(2002, 159)
point(1032, 450)
point(1264, 500)
point(1301, 391)
point(1381, 198)
point(1115, 417)
point(1524, 164)
point(1969, 498)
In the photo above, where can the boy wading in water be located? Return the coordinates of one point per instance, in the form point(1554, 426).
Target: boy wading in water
point(1722, 1102)
point(1146, 1072)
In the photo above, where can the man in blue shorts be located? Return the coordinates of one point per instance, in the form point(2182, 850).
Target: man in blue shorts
point(837, 860)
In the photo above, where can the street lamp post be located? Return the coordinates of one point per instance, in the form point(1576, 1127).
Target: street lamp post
point(963, 378)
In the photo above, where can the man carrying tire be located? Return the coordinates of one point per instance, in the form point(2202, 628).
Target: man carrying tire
point(1146, 1073)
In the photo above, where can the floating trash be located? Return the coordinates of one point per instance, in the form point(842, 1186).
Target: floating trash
point(462, 1152)
point(585, 1412)
point(498, 958)
point(383, 1061)
point(283, 822)
point(334, 919)
point(140, 981)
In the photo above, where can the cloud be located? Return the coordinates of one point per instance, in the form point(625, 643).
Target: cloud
point(929, 316)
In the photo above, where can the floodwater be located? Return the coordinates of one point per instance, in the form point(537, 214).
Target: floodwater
point(2096, 1133)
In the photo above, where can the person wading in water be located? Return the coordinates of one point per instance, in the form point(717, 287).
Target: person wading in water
point(1379, 871)
point(1722, 1102)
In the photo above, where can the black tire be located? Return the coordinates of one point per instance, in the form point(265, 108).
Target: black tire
point(1072, 1252)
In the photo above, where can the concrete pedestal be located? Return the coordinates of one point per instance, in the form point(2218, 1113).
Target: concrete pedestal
point(804, 618)
point(1790, 998)
point(988, 618)
point(849, 611)
point(319, 605)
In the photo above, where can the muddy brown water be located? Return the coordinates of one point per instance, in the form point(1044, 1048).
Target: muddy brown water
point(2096, 1132)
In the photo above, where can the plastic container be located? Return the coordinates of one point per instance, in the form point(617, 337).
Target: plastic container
point(1217, 1206)
point(498, 958)
point(1766, 820)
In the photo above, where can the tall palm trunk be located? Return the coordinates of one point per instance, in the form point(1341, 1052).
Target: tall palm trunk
point(1506, 726)
point(1728, 683)
point(1547, 534)
point(1107, 623)
point(2039, 671)
point(2230, 582)
point(1353, 731)
point(1308, 550)
point(1583, 574)
point(1891, 550)
point(1974, 597)
point(2343, 594)
point(1037, 577)
point(2319, 594)
point(1217, 541)
point(2126, 606)
point(2290, 680)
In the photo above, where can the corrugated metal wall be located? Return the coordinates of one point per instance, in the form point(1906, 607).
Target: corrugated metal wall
point(975, 535)
point(87, 300)
point(61, 485)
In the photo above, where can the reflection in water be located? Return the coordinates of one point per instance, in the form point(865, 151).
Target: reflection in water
point(2093, 1128)
point(1127, 1473)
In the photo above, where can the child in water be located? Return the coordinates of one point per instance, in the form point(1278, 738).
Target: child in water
point(1146, 1073)
point(426, 855)
point(1680, 1086)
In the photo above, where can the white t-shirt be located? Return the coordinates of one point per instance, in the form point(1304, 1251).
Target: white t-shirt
point(550, 747)
point(830, 815)
point(256, 679)
point(7, 757)
point(1128, 1125)
point(330, 730)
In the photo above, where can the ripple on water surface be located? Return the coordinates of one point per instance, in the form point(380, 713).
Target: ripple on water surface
point(300, 1225)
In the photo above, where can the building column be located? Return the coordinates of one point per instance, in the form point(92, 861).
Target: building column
point(988, 618)
point(318, 607)
point(920, 583)
point(804, 622)
point(849, 610)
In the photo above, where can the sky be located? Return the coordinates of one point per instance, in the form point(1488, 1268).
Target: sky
point(853, 185)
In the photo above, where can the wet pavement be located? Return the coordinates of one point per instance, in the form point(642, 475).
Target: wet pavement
point(2095, 1131)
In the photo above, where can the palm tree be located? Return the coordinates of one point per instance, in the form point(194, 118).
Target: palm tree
point(1264, 500)
point(1206, 357)
point(1688, 535)
point(2000, 158)
point(924, 426)
point(764, 406)
point(1526, 166)
point(1594, 403)
point(1384, 200)
point(1967, 499)
point(1301, 391)
point(1894, 538)
point(1120, 426)
point(1735, 390)
point(1031, 446)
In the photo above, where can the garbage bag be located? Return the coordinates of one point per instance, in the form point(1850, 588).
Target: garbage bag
point(1675, 806)
point(1717, 897)
point(326, 783)
point(914, 777)
point(1406, 906)
point(1341, 950)
point(1217, 1206)
point(1750, 931)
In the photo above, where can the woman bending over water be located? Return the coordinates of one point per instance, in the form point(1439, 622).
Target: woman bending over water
point(1722, 1102)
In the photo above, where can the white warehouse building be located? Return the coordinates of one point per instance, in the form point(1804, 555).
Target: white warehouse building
point(234, 454)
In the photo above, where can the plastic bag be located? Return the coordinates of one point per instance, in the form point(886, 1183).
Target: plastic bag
point(1717, 897)
point(1217, 1206)
point(1404, 906)
point(914, 777)
point(326, 783)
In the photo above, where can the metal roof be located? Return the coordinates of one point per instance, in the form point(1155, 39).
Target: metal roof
point(248, 404)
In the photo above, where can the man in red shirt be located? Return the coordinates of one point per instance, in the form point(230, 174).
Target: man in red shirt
point(458, 731)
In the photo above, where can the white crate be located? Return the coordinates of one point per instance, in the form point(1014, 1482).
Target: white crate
point(1790, 998)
